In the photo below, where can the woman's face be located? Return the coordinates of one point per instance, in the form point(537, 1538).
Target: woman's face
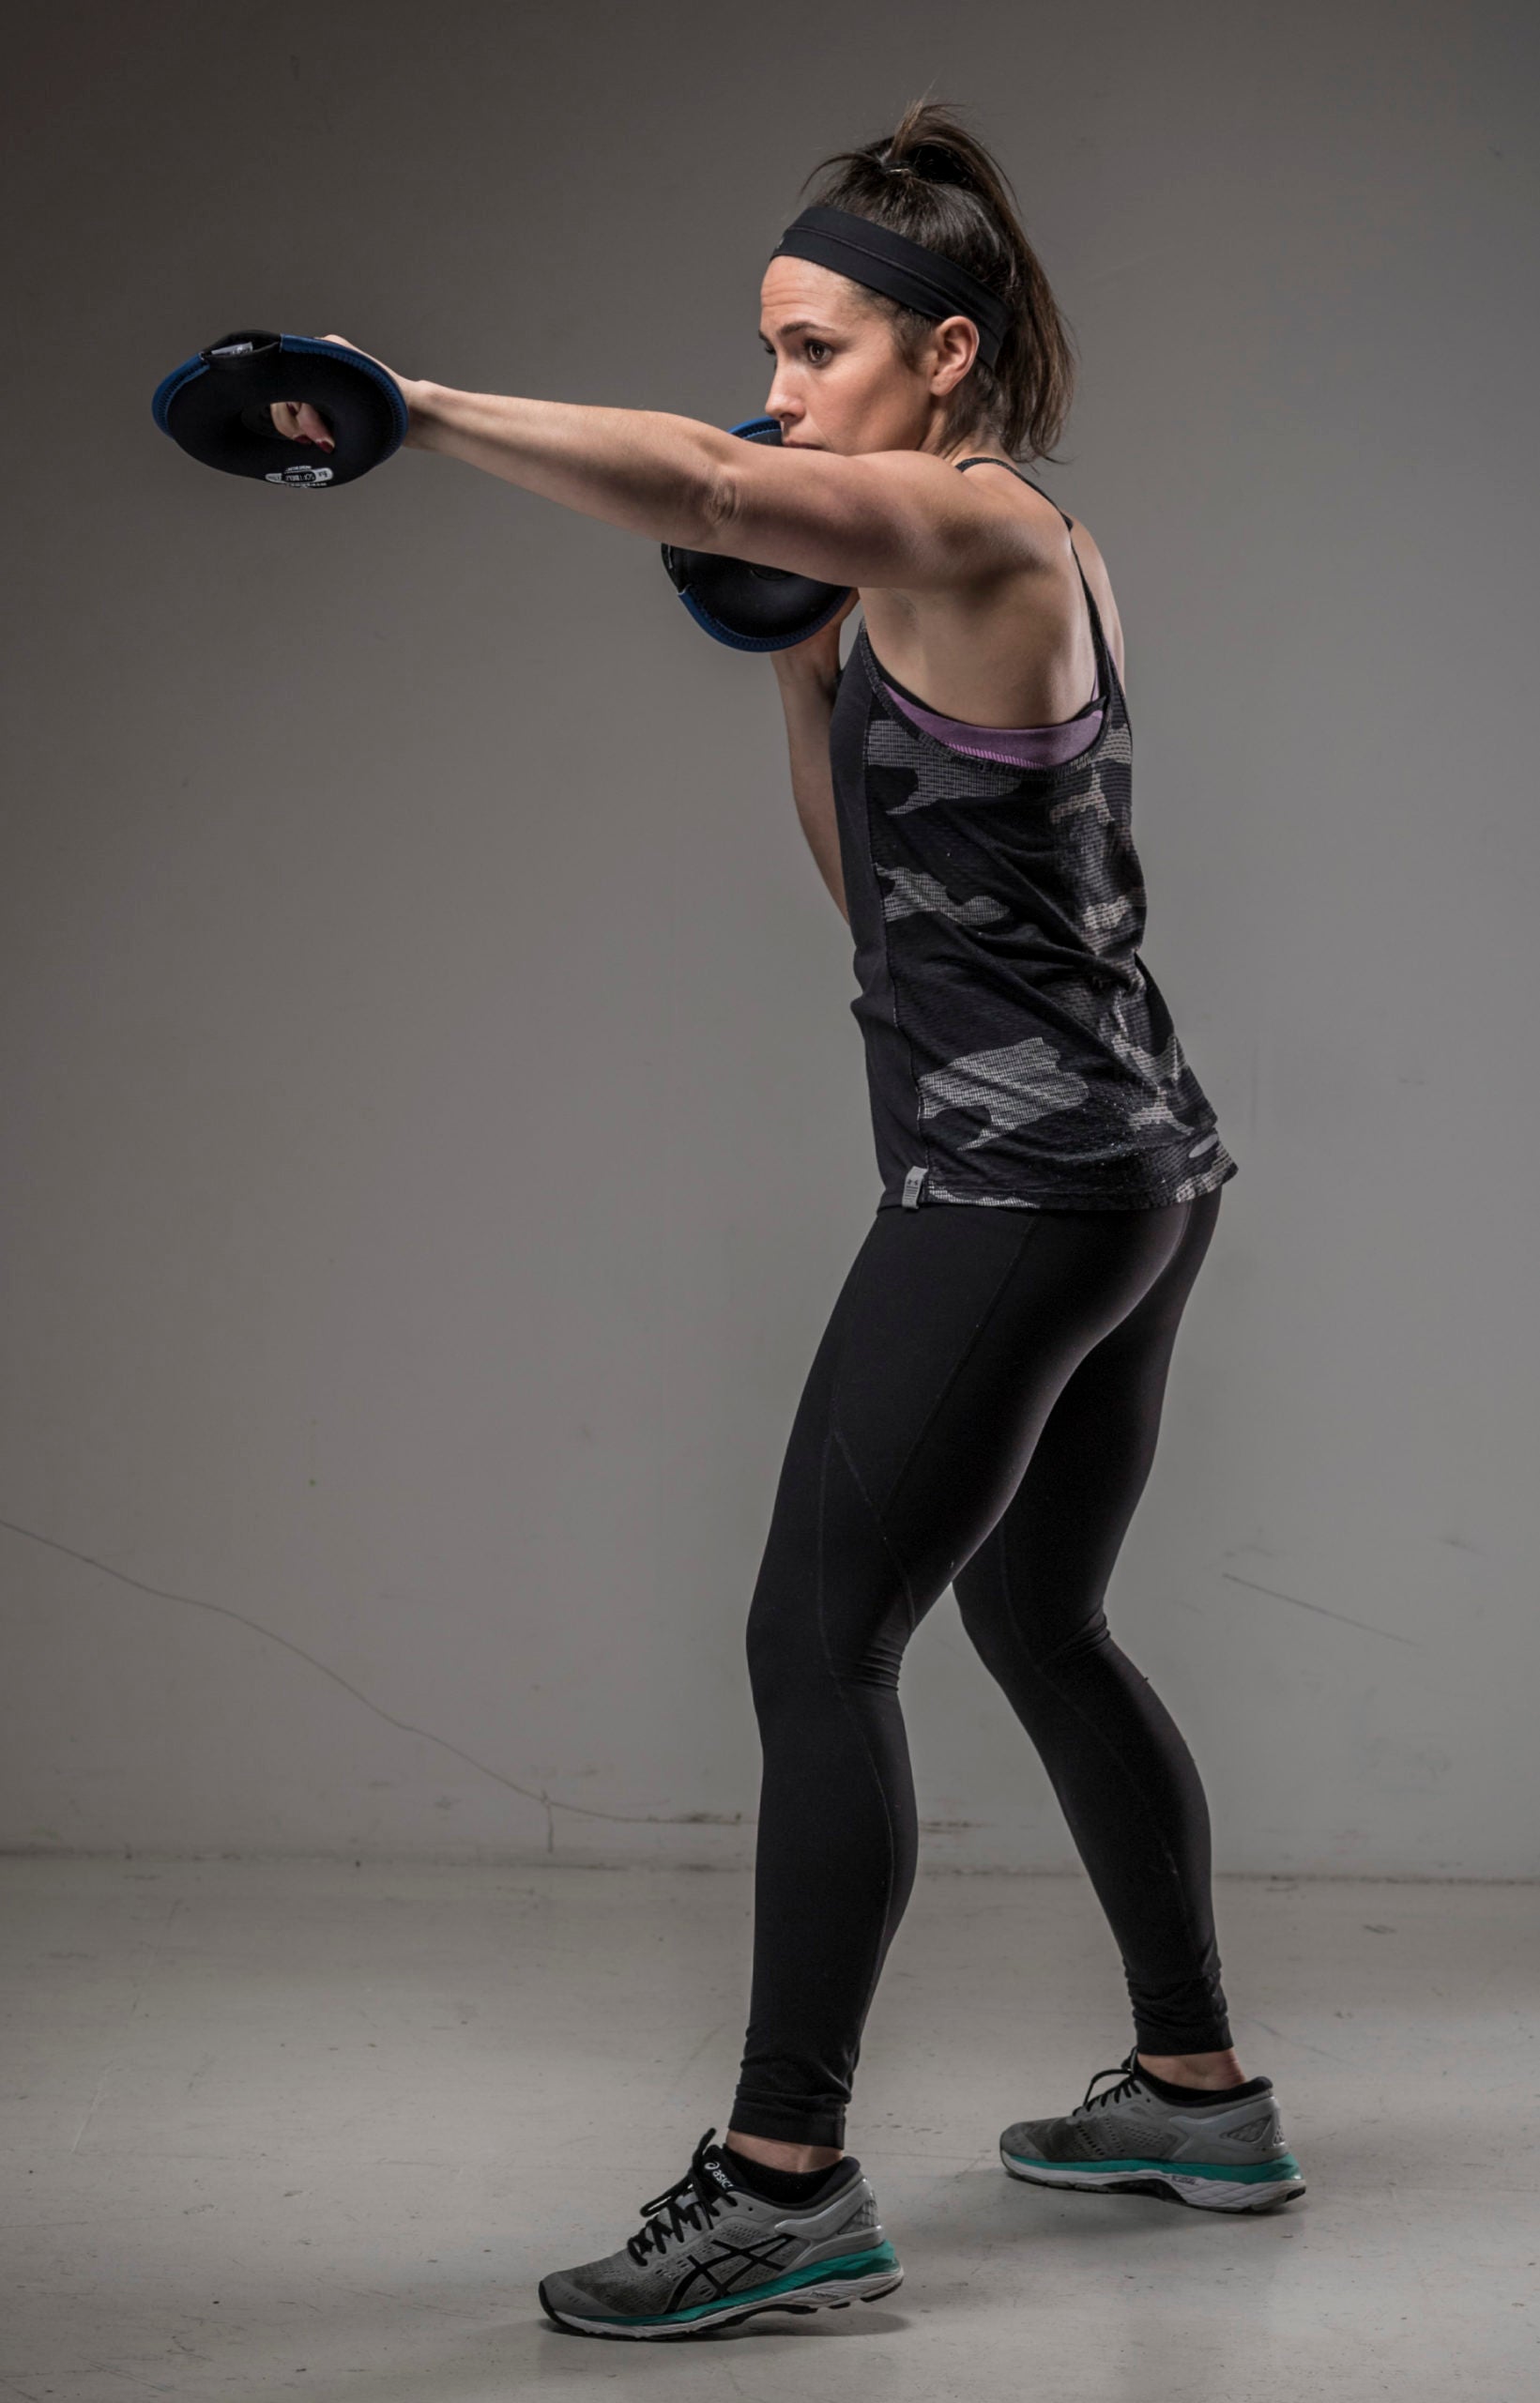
point(841, 382)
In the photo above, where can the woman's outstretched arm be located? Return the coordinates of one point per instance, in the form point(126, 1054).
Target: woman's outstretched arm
point(894, 518)
point(641, 470)
point(891, 519)
point(644, 470)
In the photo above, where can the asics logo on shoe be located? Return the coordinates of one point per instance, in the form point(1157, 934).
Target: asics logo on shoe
point(701, 2277)
point(1263, 2131)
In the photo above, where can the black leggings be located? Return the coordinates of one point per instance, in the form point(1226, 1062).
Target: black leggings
point(981, 1412)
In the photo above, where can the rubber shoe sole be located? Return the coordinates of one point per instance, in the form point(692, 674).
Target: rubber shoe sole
point(825, 2286)
point(1244, 2189)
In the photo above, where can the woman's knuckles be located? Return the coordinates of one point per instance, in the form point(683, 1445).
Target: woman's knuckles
point(298, 422)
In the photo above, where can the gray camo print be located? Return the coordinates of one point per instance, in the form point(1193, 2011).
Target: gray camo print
point(1010, 1088)
point(1011, 1025)
point(913, 891)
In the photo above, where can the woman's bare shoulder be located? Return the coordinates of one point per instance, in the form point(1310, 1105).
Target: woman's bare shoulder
point(1049, 515)
point(1087, 551)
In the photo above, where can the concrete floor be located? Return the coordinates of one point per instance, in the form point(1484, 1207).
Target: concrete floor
point(274, 2128)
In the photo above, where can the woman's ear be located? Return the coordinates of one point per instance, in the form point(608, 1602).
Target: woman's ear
point(955, 346)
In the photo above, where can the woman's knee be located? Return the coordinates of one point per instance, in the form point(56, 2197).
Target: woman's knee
point(1018, 1655)
point(782, 1647)
point(796, 1652)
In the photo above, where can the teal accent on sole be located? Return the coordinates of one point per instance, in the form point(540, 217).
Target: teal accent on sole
point(877, 2257)
point(1243, 2174)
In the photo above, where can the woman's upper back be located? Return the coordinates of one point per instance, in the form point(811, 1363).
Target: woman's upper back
point(1017, 652)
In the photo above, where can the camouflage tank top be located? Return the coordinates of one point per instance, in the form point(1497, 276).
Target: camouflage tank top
point(1018, 1050)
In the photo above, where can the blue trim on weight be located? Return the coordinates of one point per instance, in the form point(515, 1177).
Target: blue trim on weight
point(171, 385)
point(762, 642)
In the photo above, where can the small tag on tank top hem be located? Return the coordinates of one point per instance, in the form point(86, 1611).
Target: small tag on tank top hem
point(912, 1184)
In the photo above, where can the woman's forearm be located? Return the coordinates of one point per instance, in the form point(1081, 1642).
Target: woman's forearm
point(808, 700)
point(642, 469)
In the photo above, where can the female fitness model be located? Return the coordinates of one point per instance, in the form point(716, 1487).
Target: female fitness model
point(982, 1408)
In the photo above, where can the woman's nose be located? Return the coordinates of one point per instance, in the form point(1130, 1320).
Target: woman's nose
point(782, 404)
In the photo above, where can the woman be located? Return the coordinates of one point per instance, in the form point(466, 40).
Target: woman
point(982, 1408)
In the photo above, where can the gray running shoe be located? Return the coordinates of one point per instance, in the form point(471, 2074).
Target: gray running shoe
point(1218, 2157)
point(707, 2254)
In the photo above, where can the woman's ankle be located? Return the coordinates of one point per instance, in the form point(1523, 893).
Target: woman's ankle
point(1213, 2071)
point(774, 2154)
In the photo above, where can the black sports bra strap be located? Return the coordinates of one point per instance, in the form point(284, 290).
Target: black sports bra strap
point(984, 460)
point(1099, 640)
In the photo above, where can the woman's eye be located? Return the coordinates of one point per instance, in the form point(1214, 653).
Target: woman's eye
point(815, 344)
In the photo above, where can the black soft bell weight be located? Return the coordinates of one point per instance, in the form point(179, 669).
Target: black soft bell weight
point(216, 406)
point(751, 609)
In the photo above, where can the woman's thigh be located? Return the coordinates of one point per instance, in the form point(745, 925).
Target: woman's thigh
point(1046, 1562)
point(955, 1332)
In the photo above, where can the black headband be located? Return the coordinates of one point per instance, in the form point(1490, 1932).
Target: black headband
point(873, 254)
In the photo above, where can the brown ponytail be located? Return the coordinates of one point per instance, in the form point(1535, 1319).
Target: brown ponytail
point(934, 180)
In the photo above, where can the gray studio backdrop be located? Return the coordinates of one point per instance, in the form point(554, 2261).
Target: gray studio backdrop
point(435, 1128)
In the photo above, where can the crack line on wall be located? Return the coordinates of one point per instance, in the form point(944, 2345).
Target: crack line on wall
point(1341, 1617)
point(549, 1802)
